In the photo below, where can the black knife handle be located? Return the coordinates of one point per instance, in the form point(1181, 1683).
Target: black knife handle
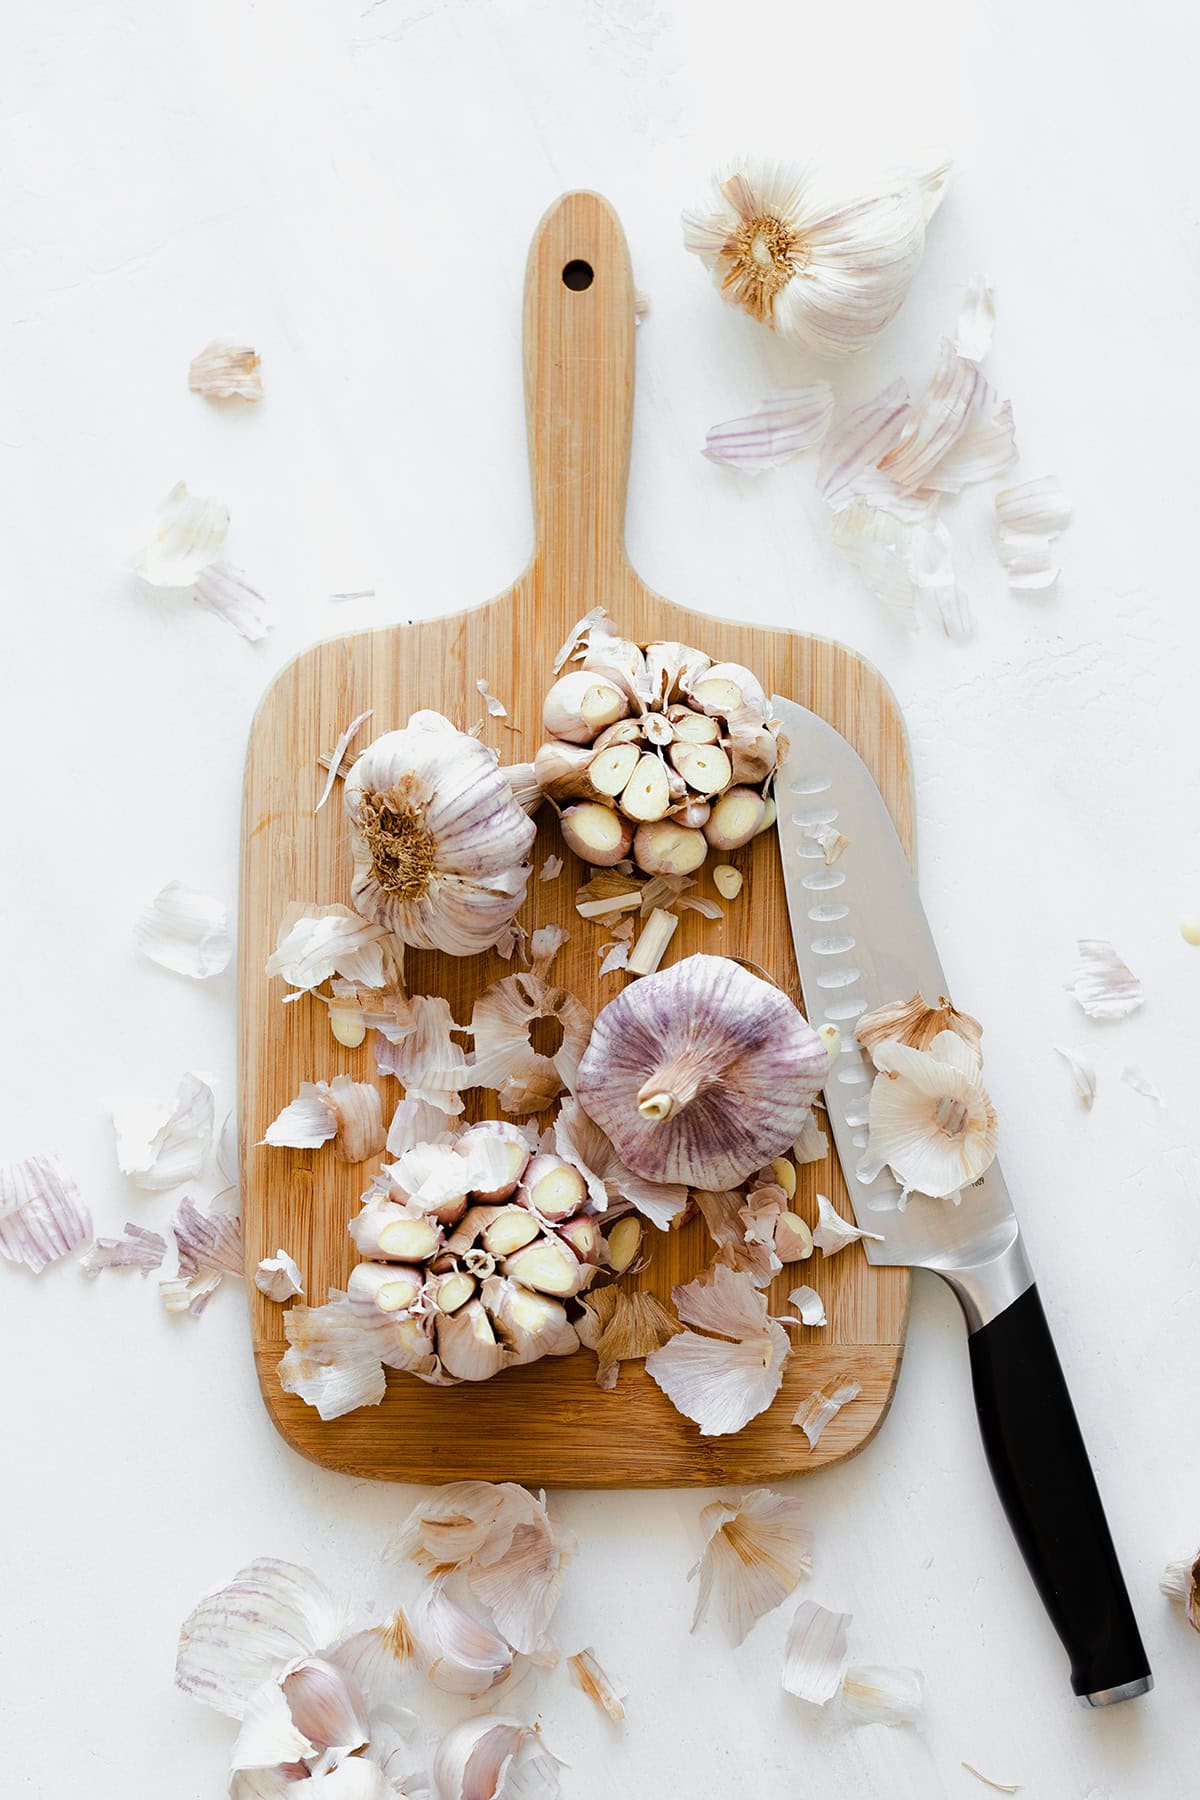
point(1042, 1474)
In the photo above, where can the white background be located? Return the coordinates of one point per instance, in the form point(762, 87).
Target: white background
point(352, 189)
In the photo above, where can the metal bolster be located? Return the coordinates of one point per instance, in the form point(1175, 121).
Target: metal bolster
point(989, 1288)
point(1128, 1690)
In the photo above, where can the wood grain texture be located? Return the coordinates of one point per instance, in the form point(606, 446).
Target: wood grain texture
point(547, 1424)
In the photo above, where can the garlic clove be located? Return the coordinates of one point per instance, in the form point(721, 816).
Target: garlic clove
point(624, 1243)
point(451, 1291)
point(651, 946)
point(647, 794)
point(691, 727)
point(783, 1174)
point(583, 1235)
point(529, 1325)
point(726, 688)
point(561, 770)
point(727, 880)
point(735, 818)
point(387, 1232)
point(549, 1267)
point(667, 848)
point(466, 1344)
point(42, 1215)
point(347, 1026)
point(375, 1288)
point(552, 1187)
point(580, 705)
point(511, 1229)
point(610, 771)
point(459, 1653)
point(815, 1656)
point(325, 1704)
point(597, 833)
point(757, 1550)
point(792, 1239)
point(705, 767)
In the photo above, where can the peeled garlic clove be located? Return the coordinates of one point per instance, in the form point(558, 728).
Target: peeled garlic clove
point(611, 770)
point(467, 1344)
point(347, 1026)
point(552, 1187)
point(581, 704)
point(453, 1290)
point(736, 817)
point(597, 833)
point(549, 1267)
point(705, 767)
point(783, 1174)
point(624, 1243)
point(651, 946)
point(727, 880)
point(375, 1288)
point(647, 794)
point(667, 848)
point(511, 1229)
point(700, 1073)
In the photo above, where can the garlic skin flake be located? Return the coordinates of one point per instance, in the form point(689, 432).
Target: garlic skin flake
point(316, 942)
point(476, 1759)
point(160, 1145)
point(438, 841)
point(815, 1655)
point(757, 1549)
point(347, 1111)
point(1134, 1076)
point(279, 1277)
point(877, 1696)
point(721, 1384)
point(332, 1362)
point(779, 428)
point(184, 537)
point(137, 1248)
point(701, 1073)
point(814, 1414)
point(1104, 987)
point(42, 1215)
point(829, 273)
point(918, 1024)
point(809, 1305)
point(976, 321)
point(833, 1233)
point(225, 371)
point(1083, 1073)
point(224, 590)
point(930, 1116)
point(460, 1654)
point(185, 930)
point(588, 1675)
point(249, 1632)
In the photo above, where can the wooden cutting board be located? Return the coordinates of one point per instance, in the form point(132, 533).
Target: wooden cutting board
point(549, 1423)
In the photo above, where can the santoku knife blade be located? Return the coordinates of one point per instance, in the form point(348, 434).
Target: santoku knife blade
point(862, 939)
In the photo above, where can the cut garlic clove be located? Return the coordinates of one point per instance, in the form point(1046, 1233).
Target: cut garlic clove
point(511, 1230)
point(727, 880)
point(705, 767)
point(452, 1291)
point(651, 946)
point(597, 833)
point(549, 1267)
point(583, 1235)
point(581, 704)
point(529, 1325)
point(347, 1026)
point(665, 847)
point(692, 727)
point(757, 1550)
point(815, 1656)
point(42, 1215)
point(735, 818)
point(610, 771)
point(562, 771)
point(552, 1188)
point(375, 1288)
point(647, 794)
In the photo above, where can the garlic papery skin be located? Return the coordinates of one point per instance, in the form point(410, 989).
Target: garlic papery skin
point(721, 1384)
point(581, 704)
point(42, 1215)
point(438, 841)
point(701, 1073)
point(249, 1632)
point(225, 371)
point(877, 1696)
point(185, 536)
point(758, 1548)
point(466, 1343)
point(831, 273)
point(1103, 985)
point(815, 1656)
point(279, 1277)
point(185, 930)
point(930, 1116)
point(529, 1325)
point(917, 1023)
point(1181, 1581)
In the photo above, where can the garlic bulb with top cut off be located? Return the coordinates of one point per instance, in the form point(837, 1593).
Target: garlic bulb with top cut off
point(439, 843)
point(701, 1073)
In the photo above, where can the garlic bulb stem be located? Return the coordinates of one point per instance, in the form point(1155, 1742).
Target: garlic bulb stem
point(674, 1086)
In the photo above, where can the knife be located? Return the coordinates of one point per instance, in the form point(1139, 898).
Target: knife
point(862, 940)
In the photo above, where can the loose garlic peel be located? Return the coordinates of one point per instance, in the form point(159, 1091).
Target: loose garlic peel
point(700, 1073)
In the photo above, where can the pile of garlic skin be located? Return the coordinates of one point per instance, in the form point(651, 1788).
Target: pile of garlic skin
point(655, 755)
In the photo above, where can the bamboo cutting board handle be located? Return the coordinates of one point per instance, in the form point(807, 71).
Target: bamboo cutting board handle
point(579, 358)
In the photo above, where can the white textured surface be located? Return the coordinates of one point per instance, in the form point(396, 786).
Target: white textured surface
point(352, 187)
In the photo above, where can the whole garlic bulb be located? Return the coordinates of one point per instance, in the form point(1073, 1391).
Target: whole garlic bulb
point(438, 841)
point(701, 1073)
point(670, 733)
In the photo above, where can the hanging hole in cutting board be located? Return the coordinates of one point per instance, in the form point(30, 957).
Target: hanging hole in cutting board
point(578, 275)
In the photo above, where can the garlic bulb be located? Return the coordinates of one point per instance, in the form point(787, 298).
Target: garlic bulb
point(701, 1073)
point(439, 843)
point(829, 272)
point(647, 747)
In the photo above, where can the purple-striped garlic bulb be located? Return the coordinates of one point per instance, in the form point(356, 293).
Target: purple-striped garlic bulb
point(701, 1073)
